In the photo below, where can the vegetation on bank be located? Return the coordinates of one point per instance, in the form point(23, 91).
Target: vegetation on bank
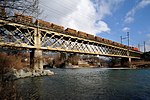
point(10, 61)
point(60, 60)
point(146, 56)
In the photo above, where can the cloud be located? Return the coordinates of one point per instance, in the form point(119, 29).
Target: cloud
point(147, 47)
point(106, 7)
point(83, 15)
point(148, 35)
point(126, 29)
point(130, 15)
point(129, 19)
point(84, 19)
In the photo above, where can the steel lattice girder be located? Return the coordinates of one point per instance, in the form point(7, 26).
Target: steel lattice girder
point(15, 35)
point(73, 44)
point(23, 36)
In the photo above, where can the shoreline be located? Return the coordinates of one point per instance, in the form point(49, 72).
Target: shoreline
point(14, 74)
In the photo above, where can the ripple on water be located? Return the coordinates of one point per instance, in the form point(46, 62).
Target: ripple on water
point(88, 84)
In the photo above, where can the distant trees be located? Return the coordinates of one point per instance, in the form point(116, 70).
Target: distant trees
point(146, 56)
point(73, 59)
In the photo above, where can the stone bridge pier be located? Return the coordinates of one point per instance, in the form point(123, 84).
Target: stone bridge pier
point(36, 60)
point(36, 57)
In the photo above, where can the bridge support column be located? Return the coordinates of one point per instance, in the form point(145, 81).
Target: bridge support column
point(125, 62)
point(36, 60)
point(129, 62)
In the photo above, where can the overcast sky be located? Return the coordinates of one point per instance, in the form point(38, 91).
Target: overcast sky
point(105, 18)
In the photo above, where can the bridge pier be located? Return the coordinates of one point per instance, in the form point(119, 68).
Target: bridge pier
point(129, 63)
point(36, 60)
point(36, 57)
point(126, 62)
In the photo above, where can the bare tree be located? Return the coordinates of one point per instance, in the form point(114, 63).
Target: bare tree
point(9, 7)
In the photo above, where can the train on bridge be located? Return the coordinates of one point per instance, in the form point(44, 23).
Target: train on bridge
point(28, 20)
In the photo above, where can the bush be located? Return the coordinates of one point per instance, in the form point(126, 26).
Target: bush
point(74, 60)
point(9, 61)
point(146, 56)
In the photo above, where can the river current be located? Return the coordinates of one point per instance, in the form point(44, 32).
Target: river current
point(88, 84)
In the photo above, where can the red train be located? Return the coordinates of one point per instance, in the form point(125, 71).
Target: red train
point(135, 48)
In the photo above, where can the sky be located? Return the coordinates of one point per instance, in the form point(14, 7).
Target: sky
point(108, 19)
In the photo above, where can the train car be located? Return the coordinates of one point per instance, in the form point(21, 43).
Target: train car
point(22, 19)
point(110, 42)
point(42, 23)
point(115, 43)
point(71, 31)
point(131, 48)
point(119, 44)
point(98, 39)
point(90, 36)
point(135, 49)
point(57, 28)
point(124, 46)
point(105, 41)
point(82, 34)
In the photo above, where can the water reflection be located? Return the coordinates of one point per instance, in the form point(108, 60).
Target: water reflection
point(9, 91)
point(31, 88)
point(83, 84)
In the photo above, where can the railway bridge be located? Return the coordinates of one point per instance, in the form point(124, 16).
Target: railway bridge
point(39, 36)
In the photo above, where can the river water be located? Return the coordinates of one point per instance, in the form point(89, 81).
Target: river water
point(88, 84)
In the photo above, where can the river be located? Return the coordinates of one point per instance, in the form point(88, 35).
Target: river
point(87, 84)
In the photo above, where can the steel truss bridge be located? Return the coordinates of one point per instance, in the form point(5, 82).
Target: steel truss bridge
point(18, 35)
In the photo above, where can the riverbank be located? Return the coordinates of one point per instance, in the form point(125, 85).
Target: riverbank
point(16, 66)
point(134, 65)
point(141, 64)
point(14, 74)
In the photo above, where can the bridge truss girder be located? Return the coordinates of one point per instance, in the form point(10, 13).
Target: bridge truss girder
point(32, 37)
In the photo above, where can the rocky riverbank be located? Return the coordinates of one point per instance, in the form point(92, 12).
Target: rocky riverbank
point(14, 74)
point(140, 64)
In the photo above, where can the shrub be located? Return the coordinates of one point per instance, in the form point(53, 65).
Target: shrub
point(9, 61)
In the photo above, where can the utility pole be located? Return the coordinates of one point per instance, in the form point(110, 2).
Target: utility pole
point(128, 39)
point(121, 39)
point(139, 46)
point(144, 47)
point(128, 53)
